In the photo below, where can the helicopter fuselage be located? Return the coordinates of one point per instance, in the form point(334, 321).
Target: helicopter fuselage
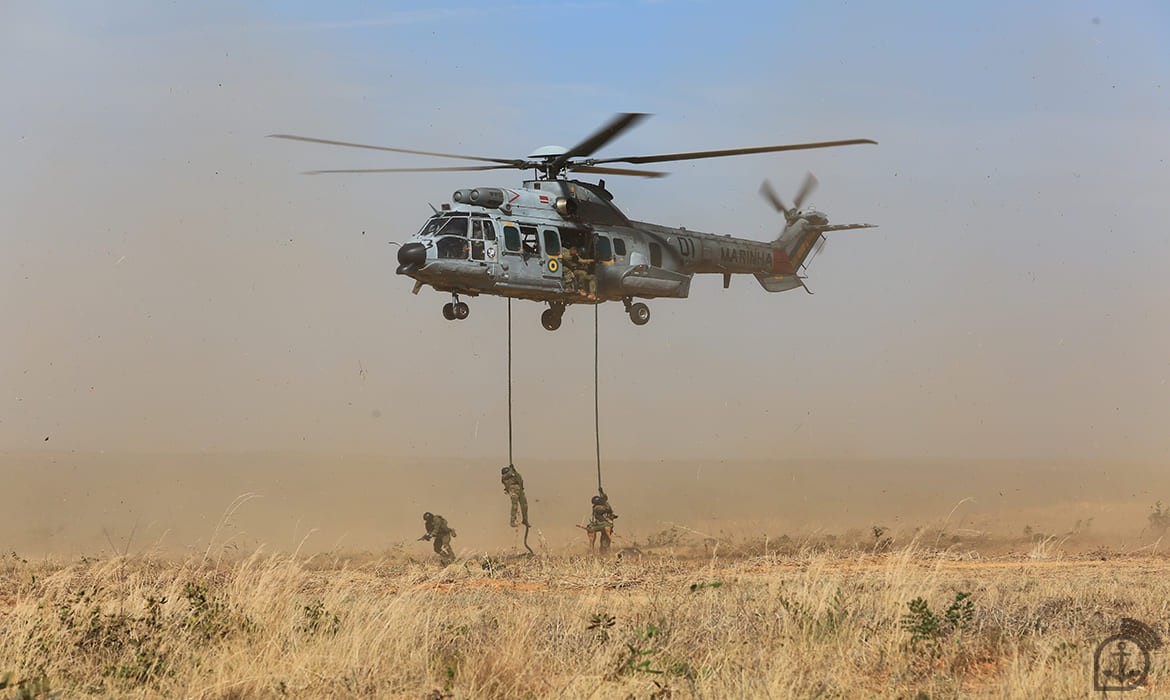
point(516, 242)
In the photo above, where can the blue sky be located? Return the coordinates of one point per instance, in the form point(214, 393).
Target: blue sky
point(171, 281)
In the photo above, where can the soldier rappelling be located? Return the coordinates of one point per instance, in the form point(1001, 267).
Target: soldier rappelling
point(514, 487)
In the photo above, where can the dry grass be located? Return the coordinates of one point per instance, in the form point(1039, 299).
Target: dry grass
point(800, 624)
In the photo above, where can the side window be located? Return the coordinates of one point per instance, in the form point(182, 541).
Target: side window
point(619, 247)
point(489, 230)
point(531, 243)
point(477, 229)
point(552, 243)
point(477, 250)
point(603, 249)
point(511, 238)
point(655, 255)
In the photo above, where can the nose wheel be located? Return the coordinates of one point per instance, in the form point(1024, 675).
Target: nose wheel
point(456, 310)
point(639, 312)
point(551, 318)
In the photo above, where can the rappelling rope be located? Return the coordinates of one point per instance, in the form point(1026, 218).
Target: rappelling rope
point(510, 462)
point(596, 410)
point(510, 381)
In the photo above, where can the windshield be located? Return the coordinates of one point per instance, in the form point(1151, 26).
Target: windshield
point(444, 225)
point(430, 226)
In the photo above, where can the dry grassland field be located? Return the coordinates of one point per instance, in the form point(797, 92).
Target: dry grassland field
point(927, 607)
point(279, 277)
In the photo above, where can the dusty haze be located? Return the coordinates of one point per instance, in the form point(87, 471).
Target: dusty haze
point(187, 319)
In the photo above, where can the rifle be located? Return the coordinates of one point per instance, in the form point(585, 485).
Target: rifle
point(424, 538)
point(611, 532)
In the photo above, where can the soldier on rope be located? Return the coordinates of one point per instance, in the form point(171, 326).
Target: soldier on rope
point(514, 487)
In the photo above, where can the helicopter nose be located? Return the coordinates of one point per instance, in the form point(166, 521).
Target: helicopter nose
point(411, 257)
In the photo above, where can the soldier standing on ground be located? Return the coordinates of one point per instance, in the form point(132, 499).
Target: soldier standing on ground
point(514, 487)
point(601, 521)
point(440, 536)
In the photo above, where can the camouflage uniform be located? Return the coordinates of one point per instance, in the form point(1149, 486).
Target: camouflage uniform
point(601, 521)
point(440, 536)
point(570, 261)
point(586, 281)
point(514, 487)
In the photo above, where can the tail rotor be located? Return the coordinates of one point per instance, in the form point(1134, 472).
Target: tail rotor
point(793, 213)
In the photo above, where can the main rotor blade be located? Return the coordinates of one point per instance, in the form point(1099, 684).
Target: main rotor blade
point(770, 195)
point(845, 227)
point(809, 184)
point(507, 161)
point(453, 169)
point(695, 155)
point(599, 138)
point(617, 171)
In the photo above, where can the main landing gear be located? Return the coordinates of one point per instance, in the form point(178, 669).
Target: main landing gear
point(456, 310)
point(639, 312)
point(551, 318)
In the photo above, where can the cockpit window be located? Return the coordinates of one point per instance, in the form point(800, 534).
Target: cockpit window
point(430, 226)
point(452, 247)
point(483, 229)
point(455, 226)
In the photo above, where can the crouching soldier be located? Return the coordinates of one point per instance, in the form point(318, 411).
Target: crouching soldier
point(440, 536)
point(514, 487)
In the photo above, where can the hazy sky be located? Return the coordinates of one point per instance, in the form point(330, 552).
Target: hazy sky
point(168, 279)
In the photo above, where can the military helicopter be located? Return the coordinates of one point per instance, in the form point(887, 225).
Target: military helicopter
point(562, 241)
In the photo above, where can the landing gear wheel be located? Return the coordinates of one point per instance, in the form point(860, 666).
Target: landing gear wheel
point(449, 311)
point(462, 311)
point(550, 319)
point(639, 314)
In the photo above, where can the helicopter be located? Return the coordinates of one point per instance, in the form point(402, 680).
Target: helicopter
point(562, 241)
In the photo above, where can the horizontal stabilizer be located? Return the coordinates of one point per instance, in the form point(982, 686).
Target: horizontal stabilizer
point(779, 283)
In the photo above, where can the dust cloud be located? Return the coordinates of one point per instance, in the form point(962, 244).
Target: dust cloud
point(101, 504)
point(188, 321)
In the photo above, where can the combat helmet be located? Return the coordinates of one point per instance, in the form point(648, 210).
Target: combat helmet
point(598, 500)
point(428, 515)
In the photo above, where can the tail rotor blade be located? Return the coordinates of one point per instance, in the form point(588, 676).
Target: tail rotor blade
point(770, 194)
point(810, 184)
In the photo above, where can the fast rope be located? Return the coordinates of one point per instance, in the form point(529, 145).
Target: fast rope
point(596, 409)
point(510, 462)
point(510, 381)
